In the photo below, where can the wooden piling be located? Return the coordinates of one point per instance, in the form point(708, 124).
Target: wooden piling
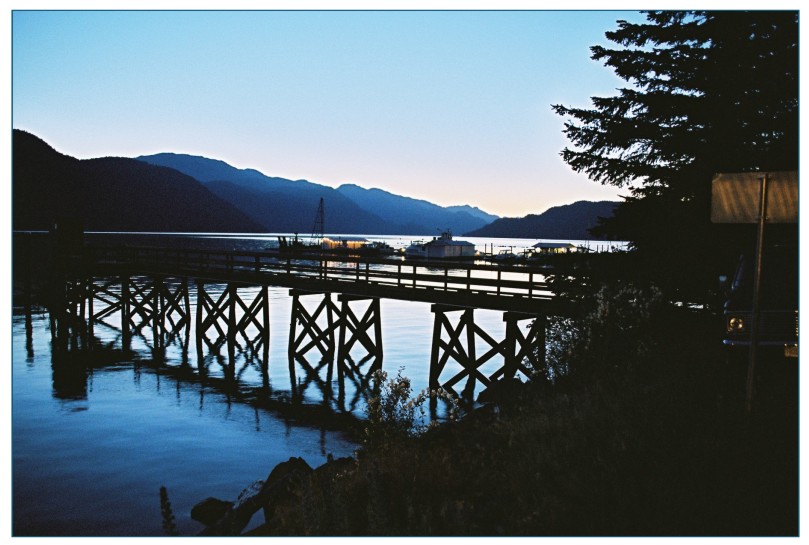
point(354, 330)
point(461, 347)
point(317, 337)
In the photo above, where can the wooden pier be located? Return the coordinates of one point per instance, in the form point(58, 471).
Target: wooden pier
point(151, 286)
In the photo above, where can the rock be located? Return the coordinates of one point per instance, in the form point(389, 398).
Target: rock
point(210, 510)
point(277, 495)
point(284, 478)
point(286, 471)
point(248, 495)
point(284, 484)
point(501, 391)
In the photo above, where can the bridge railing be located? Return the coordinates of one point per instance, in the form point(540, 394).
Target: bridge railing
point(469, 278)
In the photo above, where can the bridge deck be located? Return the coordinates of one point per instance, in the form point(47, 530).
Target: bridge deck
point(516, 289)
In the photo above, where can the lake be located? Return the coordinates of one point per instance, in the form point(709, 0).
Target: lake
point(98, 429)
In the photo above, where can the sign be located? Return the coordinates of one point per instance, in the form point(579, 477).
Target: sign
point(735, 198)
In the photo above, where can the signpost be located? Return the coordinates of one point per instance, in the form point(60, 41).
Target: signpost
point(755, 197)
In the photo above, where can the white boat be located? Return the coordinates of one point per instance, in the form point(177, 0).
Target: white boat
point(443, 247)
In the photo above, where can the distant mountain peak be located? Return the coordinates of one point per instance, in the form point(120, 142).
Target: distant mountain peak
point(202, 168)
point(417, 212)
point(349, 208)
point(564, 222)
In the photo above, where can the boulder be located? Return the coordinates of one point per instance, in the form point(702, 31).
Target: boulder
point(283, 479)
point(210, 510)
point(283, 485)
point(502, 391)
point(279, 495)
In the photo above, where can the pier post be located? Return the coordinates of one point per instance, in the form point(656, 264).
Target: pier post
point(125, 330)
point(90, 315)
point(353, 330)
point(266, 331)
point(158, 312)
point(231, 328)
point(471, 361)
point(199, 333)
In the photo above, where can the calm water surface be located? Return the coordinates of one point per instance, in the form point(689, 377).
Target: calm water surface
point(96, 433)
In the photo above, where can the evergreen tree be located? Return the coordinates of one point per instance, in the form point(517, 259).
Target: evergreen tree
point(710, 91)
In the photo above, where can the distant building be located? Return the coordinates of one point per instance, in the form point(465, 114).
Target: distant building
point(555, 247)
point(443, 247)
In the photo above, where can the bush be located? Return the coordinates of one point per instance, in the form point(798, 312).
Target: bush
point(393, 415)
point(615, 333)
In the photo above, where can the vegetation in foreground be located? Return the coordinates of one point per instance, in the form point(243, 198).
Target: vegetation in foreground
point(635, 427)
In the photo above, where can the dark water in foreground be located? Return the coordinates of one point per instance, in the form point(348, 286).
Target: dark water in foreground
point(95, 434)
point(92, 462)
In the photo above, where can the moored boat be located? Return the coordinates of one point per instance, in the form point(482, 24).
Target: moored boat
point(442, 247)
point(295, 245)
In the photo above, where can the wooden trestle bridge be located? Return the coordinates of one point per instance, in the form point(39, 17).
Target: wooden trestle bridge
point(153, 284)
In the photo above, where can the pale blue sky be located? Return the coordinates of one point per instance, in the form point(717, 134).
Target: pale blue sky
point(453, 107)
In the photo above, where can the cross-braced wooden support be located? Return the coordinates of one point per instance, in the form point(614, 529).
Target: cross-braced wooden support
point(173, 317)
point(460, 346)
point(231, 318)
point(175, 307)
point(163, 305)
point(360, 338)
point(310, 330)
point(141, 299)
point(355, 330)
point(520, 347)
point(312, 334)
point(108, 292)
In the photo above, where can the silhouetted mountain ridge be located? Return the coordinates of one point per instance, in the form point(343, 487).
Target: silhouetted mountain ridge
point(418, 212)
point(177, 192)
point(111, 194)
point(566, 222)
point(283, 205)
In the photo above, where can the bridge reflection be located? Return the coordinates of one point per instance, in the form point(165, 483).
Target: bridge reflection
point(127, 335)
point(236, 376)
point(334, 346)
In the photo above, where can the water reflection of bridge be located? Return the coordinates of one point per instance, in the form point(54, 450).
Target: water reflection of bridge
point(335, 323)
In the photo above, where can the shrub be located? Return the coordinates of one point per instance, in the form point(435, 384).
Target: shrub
point(394, 415)
point(615, 332)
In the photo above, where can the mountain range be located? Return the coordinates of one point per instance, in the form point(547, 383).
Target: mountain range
point(111, 194)
point(290, 206)
point(566, 222)
point(186, 193)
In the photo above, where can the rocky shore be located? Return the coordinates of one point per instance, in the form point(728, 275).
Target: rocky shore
point(285, 484)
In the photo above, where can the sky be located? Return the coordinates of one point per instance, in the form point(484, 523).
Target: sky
point(449, 106)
